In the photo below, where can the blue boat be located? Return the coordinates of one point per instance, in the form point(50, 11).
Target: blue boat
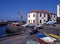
point(40, 35)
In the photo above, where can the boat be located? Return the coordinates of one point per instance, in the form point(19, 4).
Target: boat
point(47, 34)
point(39, 37)
point(52, 35)
point(55, 36)
point(41, 41)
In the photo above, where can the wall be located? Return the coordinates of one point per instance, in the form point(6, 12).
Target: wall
point(31, 17)
point(54, 18)
point(37, 18)
point(42, 18)
point(58, 15)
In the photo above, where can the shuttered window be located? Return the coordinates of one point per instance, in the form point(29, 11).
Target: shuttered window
point(44, 15)
point(29, 15)
point(40, 21)
point(33, 21)
point(33, 15)
point(29, 21)
point(40, 14)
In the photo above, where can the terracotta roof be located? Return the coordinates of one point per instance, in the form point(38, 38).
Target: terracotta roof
point(41, 11)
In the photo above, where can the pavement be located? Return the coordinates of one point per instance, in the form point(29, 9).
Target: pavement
point(50, 29)
point(17, 39)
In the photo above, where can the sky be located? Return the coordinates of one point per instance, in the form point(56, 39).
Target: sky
point(9, 8)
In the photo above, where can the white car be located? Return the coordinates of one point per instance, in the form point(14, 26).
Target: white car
point(38, 27)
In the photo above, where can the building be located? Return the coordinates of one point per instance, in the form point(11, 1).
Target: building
point(15, 24)
point(58, 14)
point(40, 17)
point(58, 10)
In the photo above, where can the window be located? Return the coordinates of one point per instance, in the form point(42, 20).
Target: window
point(54, 20)
point(44, 20)
point(29, 21)
point(40, 14)
point(40, 21)
point(54, 15)
point(33, 21)
point(44, 15)
point(29, 15)
point(13, 24)
point(33, 15)
point(51, 15)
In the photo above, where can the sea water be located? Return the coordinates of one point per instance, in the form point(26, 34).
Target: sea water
point(3, 30)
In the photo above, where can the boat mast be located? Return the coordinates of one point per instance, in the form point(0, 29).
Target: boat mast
point(19, 12)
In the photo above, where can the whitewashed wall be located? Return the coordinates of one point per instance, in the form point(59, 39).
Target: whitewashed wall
point(42, 18)
point(31, 17)
point(54, 19)
point(58, 15)
point(37, 18)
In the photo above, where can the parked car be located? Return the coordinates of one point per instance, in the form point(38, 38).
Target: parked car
point(30, 26)
point(33, 32)
point(38, 27)
point(50, 23)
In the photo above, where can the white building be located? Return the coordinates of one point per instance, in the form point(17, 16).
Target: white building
point(40, 17)
point(58, 10)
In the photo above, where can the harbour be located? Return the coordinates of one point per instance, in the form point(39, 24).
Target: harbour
point(29, 22)
point(15, 39)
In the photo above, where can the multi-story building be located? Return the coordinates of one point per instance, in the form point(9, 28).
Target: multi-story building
point(58, 10)
point(40, 17)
